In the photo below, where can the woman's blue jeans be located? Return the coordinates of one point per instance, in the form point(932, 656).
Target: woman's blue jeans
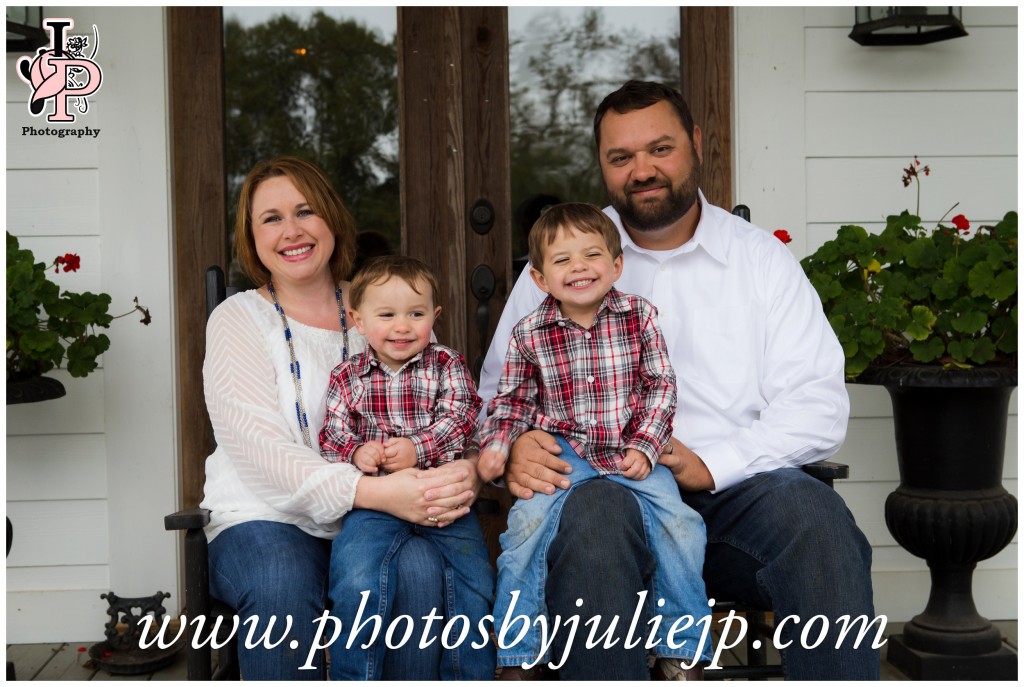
point(266, 569)
point(780, 539)
point(363, 587)
point(673, 532)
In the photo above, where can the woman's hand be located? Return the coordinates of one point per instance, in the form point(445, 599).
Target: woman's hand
point(689, 470)
point(403, 494)
point(449, 501)
point(534, 465)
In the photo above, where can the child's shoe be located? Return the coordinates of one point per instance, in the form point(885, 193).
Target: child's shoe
point(670, 669)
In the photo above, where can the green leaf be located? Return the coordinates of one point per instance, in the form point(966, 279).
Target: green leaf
point(996, 254)
point(984, 351)
point(921, 254)
point(944, 289)
point(927, 351)
point(37, 341)
point(1003, 286)
point(970, 322)
point(961, 350)
point(921, 322)
point(1006, 340)
point(980, 278)
point(856, 365)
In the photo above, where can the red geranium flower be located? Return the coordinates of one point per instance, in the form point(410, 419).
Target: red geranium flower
point(961, 223)
point(71, 262)
point(782, 235)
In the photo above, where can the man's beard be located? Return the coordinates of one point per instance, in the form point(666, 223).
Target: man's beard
point(655, 215)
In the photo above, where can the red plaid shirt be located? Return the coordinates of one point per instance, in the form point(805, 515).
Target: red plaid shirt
point(606, 389)
point(431, 400)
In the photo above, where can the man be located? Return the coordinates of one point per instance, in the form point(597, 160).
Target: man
point(761, 392)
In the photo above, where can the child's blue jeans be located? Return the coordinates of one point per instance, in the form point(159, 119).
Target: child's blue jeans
point(363, 559)
point(675, 534)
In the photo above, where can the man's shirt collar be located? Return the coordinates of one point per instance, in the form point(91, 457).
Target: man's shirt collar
point(707, 235)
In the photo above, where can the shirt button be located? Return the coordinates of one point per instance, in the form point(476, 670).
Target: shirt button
point(593, 423)
point(590, 378)
point(561, 323)
point(586, 335)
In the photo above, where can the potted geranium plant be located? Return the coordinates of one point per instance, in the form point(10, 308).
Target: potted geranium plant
point(47, 327)
point(911, 294)
point(931, 314)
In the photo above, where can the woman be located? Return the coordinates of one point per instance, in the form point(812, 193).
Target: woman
point(276, 504)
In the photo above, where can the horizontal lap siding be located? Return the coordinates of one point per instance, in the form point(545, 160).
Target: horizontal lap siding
point(56, 451)
point(89, 475)
point(825, 128)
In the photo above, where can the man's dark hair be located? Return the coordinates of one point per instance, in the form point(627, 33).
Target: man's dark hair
point(636, 95)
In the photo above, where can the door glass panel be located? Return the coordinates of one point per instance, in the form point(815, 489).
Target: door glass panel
point(562, 62)
point(321, 84)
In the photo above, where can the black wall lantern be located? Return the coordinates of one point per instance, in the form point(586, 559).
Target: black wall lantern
point(906, 25)
point(25, 29)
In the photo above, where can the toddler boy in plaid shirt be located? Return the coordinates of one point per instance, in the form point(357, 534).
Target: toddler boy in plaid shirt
point(403, 403)
point(590, 367)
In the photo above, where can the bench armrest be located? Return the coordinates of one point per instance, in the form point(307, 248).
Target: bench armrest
point(188, 519)
point(827, 471)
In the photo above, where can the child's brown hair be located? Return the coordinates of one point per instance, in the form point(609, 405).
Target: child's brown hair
point(379, 270)
point(580, 217)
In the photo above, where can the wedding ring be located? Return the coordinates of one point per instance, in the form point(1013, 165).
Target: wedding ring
point(431, 518)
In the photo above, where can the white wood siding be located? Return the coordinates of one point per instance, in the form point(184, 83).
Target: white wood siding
point(90, 475)
point(823, 128)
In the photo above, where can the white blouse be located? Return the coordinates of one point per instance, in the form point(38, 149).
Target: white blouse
point(261, 469)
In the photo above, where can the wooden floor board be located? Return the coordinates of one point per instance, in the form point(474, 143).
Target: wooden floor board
point(68, 663)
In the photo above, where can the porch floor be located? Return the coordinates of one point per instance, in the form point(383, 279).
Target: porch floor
point(69, 662)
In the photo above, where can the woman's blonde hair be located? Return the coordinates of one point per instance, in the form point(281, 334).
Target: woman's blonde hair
point(312, 183)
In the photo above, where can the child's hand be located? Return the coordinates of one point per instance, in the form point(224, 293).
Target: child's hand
point(368, 456)
point(635, 465)
point(491, 464)
point(399, 454)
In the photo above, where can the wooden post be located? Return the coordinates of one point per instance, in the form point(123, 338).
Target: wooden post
point(199, 197)
point(453, 134)
point(705, 61)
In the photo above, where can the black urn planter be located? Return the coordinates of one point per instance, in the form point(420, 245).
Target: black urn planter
point(33, 390)
point(950, 509)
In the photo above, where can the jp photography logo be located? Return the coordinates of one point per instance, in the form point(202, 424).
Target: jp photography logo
point(64, 76)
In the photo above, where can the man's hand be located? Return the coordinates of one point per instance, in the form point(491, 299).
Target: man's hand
point(635, 465)
point(399, 454)
point(490, 464)
point(368, 457)
point(689, 470)
point(534, 465)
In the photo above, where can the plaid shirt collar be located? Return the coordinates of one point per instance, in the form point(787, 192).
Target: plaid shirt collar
point(365, 362)
point(548, 314)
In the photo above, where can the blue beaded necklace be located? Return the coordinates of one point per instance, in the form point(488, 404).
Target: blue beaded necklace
point(296, 370)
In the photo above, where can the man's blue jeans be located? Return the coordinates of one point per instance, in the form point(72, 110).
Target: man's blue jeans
point(780, 539)
point(674, 533)
point(266, 569)
point(364, 575)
